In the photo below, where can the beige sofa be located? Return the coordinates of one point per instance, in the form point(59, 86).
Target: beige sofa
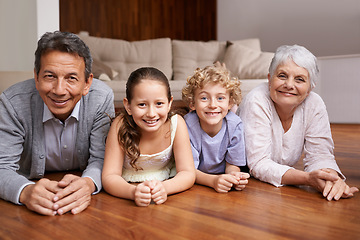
point(115, 59)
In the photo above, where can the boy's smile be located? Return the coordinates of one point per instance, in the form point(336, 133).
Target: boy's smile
point(212, 104)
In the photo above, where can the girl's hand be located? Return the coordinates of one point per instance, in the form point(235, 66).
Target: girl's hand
point(143, 194)
point(224, 182)
point(243, 180)
point(158, 192)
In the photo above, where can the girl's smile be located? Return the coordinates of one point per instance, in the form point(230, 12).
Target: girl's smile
point(149, 105)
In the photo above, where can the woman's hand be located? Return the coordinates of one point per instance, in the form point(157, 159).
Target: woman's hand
point(330, 184)
point(337, 189)
point(318, 178)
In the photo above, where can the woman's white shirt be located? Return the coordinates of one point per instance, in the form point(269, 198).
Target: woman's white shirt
point(270, 151)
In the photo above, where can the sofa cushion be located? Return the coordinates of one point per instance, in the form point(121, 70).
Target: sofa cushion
point(246, 63)
point(189, 55)
point(124, 57)
point(253, 43)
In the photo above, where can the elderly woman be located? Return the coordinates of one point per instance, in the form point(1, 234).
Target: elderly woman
point(284, 119)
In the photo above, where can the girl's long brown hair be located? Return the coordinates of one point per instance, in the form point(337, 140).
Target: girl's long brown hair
point(129, 134)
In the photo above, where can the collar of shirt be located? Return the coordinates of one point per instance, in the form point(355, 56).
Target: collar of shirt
point(47, 115)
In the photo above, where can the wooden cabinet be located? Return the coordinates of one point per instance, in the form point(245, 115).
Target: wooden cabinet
point(133, 20)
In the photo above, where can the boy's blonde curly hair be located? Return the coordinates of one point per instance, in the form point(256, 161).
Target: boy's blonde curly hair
point(218, 74)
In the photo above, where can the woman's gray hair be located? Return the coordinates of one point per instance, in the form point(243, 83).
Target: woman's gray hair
point(300, 56)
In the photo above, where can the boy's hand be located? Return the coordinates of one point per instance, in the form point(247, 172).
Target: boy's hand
point(224, 182)
point(243, 180)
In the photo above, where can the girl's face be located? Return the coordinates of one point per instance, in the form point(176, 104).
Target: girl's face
point(149, 106)
point(289, 86)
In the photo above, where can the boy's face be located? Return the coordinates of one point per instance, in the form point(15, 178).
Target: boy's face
point(212, 103)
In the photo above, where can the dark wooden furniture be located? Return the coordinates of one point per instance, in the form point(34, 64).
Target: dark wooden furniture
point(134, 20)
point(261, 211)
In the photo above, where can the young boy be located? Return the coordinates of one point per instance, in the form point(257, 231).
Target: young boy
point(216, 133)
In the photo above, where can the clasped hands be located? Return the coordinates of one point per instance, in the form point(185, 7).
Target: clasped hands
point(330, 184)
point(224, 182)
point(47, 197)
point(148, 191)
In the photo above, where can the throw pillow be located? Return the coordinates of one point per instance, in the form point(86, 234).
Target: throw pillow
point(189, 55)
point(102, 71)
point(253, 43)
point(246, 63)
point(127, 56)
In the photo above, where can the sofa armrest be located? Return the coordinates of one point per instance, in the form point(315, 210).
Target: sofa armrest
point(9, 78)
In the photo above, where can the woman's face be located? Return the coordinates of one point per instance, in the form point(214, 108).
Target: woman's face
point(289, 86)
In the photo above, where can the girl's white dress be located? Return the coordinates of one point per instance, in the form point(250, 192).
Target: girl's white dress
point(159, 166)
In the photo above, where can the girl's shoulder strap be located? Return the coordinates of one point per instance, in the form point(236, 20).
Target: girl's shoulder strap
point(173, 126)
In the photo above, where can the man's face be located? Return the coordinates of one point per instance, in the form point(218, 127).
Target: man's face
point(61, 82)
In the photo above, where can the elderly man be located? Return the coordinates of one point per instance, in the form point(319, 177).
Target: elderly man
point(57, 121)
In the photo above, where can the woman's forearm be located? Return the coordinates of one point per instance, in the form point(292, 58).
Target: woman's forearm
point(295, 177)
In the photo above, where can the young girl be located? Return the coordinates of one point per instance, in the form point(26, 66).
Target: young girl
point(148, 154)
point(216, 133)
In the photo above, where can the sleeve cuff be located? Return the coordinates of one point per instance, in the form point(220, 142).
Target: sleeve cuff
point(19, 192)
point(97, 188)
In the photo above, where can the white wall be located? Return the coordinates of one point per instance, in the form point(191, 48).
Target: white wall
point(47, 16)
point(339, 87)
point(22, 22)
point(324, 27)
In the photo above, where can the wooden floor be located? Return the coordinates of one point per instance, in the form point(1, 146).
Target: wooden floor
point(261, 211)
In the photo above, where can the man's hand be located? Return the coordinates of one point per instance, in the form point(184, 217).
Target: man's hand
point(75, 195)
point(39, 197)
